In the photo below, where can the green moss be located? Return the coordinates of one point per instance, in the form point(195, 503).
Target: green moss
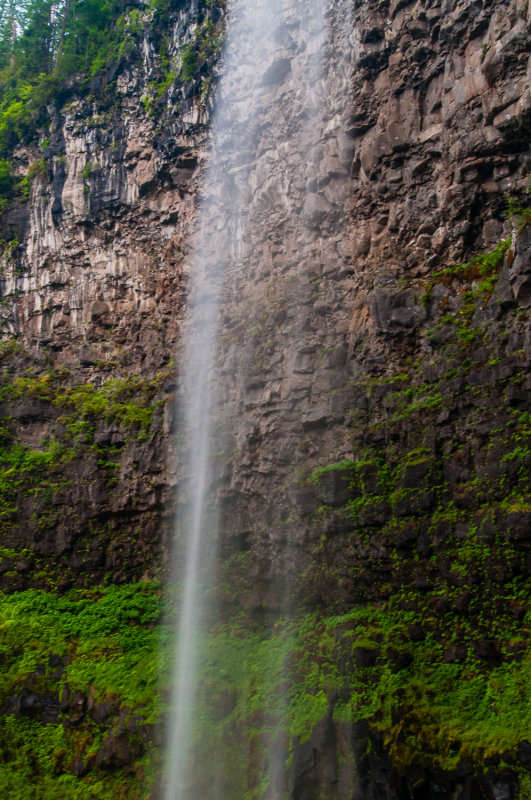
point(424, 703)
point(125, 401)
point(482, 266)
point(517, 211)
point(257, 682)
point(108, 640)
point(33, 479)
point(32, 761)
point(31, 472)
point(8, 349)
point(341, 466)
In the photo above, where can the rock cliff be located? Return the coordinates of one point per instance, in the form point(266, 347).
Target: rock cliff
point(373, 386)
point(92, 296)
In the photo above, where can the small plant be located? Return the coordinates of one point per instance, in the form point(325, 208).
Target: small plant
point(6, 179)
point(37, 169)
point(515, 210)
point(188, 63)
point(149, 104)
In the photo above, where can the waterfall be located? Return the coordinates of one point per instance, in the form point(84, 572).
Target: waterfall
point(253, 189)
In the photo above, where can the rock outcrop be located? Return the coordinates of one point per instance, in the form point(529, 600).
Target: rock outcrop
point(373, 372)
point(92, 295)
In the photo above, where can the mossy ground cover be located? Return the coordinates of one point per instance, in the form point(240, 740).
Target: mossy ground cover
point(428, 703)
point(109, 643)
point(407, 667)
point(127, 401)
point(31, 774)
point(389, 662)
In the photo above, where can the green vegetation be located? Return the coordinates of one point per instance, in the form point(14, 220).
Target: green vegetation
point(449, 708)
point(125, 401)
point(424, 566)
point(416, 675)
point(425, 630)
point(188, 63)
point(74, 38)
point(517, 211)
point(481, 273)
point(33, 477)
point(6, 182)
point(35, 472)
point(43, 43)
point(341, 466)
point(207, 41)
point(109, 639)
point(420, 621)
point(36, 170)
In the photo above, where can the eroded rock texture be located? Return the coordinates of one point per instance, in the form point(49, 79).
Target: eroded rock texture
point(92, 293)
point(372, 393)
point(402, 172)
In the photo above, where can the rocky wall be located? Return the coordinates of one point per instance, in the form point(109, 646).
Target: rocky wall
point(395, 185)
point(92, 292)
point(373, 379)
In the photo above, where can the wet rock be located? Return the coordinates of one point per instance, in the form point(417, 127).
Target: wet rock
point(277, 72)
point(366, 656)
point(396, 314)
point(305, 500)
point(54, 660)
point(316, 210)
point(519, 525)
point(334, 487)
point(123, 744)
point(487, 650)
point(99, 309)
point(314, 764)
point(524, 753)
point(223, 703)
point(44, 707)
point(520, 269)
point(415, 474)
point(101, 711)
point(316, 418)
point(400, 658)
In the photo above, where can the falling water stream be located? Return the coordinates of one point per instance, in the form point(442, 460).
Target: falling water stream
point(264, 39)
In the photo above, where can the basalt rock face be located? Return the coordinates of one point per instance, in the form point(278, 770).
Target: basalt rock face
point(428, 109)
point(418, 137)
point(373, 383)
point(92, 295)
point(372, 390)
